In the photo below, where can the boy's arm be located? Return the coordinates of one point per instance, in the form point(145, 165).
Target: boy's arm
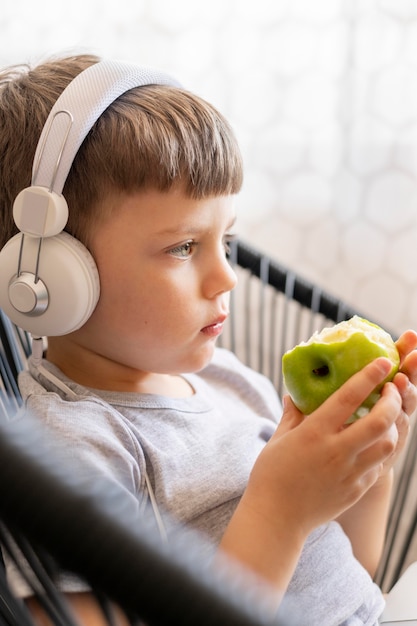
point(365, 522)
point(265, 544)
point(85, 608)
point(310, 472)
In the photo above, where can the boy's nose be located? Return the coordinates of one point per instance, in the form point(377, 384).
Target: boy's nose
point(220, 277)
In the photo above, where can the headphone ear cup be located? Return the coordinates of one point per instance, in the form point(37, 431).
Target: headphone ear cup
point(67, 271)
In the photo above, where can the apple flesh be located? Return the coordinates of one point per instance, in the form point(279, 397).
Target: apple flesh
point(315, 369)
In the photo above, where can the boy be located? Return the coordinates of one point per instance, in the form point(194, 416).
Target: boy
point(143, 396)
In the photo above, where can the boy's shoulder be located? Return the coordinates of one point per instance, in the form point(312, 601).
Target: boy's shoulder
point(227, 367)
point(227, 361)
point(43, 398)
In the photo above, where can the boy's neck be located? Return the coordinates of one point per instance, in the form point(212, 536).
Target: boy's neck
point(108, 376)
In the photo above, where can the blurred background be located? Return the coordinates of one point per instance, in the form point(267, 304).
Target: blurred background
point(322, 95)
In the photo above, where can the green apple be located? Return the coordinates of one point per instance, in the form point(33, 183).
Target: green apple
point(314, 369)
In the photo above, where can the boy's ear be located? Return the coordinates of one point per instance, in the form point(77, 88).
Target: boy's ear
point(49, 283)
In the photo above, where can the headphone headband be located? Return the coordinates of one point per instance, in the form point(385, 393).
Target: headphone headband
point(77, 109)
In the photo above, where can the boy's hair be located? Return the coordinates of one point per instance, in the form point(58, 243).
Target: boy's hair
point(151, 137)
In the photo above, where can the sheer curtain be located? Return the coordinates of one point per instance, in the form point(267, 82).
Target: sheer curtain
point(331, 156)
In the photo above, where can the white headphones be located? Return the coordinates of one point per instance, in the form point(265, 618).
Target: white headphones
point(49, 283)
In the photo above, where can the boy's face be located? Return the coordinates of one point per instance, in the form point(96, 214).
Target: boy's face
point(165, 284)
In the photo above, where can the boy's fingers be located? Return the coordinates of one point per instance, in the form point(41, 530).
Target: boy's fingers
point(378, 424)
point(291, 416)
point(409, 366)
point(407, 390)
point(341, 404)
point(406, 343)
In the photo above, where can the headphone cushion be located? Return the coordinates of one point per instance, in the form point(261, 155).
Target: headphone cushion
point(69, 273)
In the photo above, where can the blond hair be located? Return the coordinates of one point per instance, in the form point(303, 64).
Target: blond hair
point(151, 137)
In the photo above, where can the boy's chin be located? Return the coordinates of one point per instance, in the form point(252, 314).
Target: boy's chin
point(199, 361)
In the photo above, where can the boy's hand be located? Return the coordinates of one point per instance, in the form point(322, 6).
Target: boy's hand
point(405, 382)
point(314, 469)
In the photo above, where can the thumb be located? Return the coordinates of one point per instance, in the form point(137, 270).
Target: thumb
point(291, 416)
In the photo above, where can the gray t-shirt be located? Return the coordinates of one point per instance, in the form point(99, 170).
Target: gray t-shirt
point(198, 452)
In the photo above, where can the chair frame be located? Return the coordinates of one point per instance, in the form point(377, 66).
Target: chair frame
point(272, 309)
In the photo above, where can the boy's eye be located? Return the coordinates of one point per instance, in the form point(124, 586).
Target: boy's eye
point(184, 250)
point(227, 241)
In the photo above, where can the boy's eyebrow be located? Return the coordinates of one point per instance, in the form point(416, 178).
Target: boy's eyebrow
point(189, 229)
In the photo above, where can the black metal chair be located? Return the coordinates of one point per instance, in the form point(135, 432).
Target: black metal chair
point(272, 309)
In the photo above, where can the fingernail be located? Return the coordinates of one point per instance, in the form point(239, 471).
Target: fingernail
point(384, 365)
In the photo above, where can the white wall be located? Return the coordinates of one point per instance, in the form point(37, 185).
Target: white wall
point(323, 97)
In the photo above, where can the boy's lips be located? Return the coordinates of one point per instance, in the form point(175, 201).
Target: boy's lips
point(216, 327)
